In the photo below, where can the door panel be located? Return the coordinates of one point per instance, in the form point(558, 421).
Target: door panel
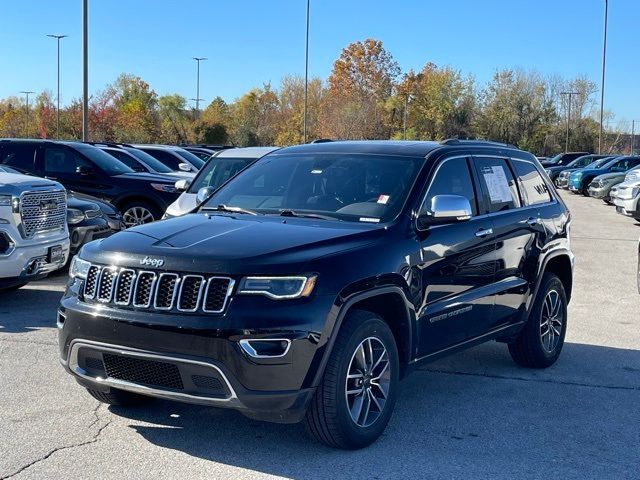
point(60, 163)
point(456, 265)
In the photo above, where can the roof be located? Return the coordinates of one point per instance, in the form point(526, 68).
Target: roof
point(388, 147)
point(247, 152)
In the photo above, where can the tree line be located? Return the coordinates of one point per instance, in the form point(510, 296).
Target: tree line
point(366, 96)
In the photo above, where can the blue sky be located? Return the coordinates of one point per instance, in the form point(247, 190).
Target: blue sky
point(249, 42)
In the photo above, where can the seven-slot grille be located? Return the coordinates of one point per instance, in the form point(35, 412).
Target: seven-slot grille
point(43, 211)
point(159, 291)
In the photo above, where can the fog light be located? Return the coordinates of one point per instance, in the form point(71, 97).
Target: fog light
point(266, 347)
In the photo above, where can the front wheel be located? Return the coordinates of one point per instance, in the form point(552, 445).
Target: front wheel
point(139, 212)
point(357, 394)
point(540, 342)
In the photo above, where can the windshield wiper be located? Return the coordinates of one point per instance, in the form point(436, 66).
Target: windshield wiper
point(224, 208)
point(291, 213)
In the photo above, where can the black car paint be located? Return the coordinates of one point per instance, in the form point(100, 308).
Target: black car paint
point(443, 288)
point(116, 189)
point(108, 222)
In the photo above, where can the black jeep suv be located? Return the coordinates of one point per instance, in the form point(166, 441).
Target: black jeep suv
point(141, 197)
point(308, 285)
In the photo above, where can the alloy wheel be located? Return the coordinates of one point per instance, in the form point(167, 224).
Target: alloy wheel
point(551, 321)
point(368, 381)
point(137, 216)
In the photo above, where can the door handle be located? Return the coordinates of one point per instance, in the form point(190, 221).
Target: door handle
point(533, 221)
point(483, 232)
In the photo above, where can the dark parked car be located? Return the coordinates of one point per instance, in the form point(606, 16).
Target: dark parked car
point(141, 197)
point(562, 159)
point(175, 158)
point(204, 151)
point(312, 282)
point(90, 218)
point(579, 162)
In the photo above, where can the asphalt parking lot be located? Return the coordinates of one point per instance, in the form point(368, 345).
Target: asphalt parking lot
point(473, 415)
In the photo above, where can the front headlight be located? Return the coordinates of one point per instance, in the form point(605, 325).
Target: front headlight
point(5, 200)
point(635, 191)
point(78, 267)
point(278, 288)
point(577, 175)
point(74, 216)
point(164, 187)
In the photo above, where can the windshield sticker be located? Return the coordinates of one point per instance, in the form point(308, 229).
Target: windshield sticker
point(316, 171)
point(369, 219)
point(497, 184)
point(383, 199)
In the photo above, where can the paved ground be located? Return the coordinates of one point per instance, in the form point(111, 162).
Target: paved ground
point(474, 415)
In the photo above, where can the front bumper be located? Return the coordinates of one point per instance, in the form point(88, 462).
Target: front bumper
point(575, 186)
point(206, 347)
point(83, 233)
point(627, 207)
point(27, 263)
point(561, 182)
point(599, 192)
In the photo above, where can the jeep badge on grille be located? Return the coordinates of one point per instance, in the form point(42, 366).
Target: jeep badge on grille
point(152, 262)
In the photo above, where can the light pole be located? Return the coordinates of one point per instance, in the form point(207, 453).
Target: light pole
point(85, 71)
point(58, 38)
point(27, 92)
point(604, 57)
point(406, 108)
point(633, 135)
point(566, 145)
point(197, 99)
point(195, 115)
point(306, 76)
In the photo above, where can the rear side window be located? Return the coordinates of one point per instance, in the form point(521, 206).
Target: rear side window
point(125, 158)
point(499, 189)
point(62, 160)
point(451, 178)
point(18, 155)
point(534, 188)
point(170, 160)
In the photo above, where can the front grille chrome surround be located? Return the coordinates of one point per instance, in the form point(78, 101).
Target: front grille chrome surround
point(42, 211)
point(158, 291)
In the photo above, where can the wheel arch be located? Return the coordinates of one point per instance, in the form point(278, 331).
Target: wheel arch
point(389, 303)
point(121, 201)
point(560, 264)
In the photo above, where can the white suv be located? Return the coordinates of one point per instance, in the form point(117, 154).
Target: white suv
point(34, 239)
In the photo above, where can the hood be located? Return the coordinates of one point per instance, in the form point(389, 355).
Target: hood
point(629, 184)
point(184, 204)
point(610, 176)
point(15, 183)
point(105, 206)
point(232, 244)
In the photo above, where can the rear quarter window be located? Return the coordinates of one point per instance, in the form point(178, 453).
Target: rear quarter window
point(534, 188)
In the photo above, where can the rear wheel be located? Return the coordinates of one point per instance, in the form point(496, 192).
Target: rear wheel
point(119, 397)
point(540, 342)
point(139, 212)
point(356, 397)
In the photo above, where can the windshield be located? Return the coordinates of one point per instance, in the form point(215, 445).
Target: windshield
point(555, 159)
point(352, 187)
point(218, 171)
point(606, 164)
point(599, 163)
point(190, 157)
point(580, 162)
point(110, 165)
point(148, 160)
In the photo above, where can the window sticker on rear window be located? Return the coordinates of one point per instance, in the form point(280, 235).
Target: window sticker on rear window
point(497, 184)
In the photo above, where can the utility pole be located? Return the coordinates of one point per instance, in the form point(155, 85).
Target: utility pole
point(633, 135)
point(197, 99)
point(604, 57)
point(58, 38)
point(195, 113)
point(566, 145)
point(27, 92)
point(406, 108)
point(306, 76)
point(85, 71)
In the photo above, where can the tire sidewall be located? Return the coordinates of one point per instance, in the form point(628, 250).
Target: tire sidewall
point(363, 436)
point(551, 282)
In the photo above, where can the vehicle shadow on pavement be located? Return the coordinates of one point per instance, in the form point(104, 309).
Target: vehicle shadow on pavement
point(26, 309)
point(475, 412)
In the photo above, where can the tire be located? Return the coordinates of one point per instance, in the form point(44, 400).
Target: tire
point(119, 397)
point(531, 348)
point(585, 188)
point(139, 212)
point(329, 418)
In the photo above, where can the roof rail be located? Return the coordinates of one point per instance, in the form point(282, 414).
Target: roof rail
point(109, 144)
point(473, 141)
point(321, 140)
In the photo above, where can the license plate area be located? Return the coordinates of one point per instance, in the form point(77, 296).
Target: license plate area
point(55, 254)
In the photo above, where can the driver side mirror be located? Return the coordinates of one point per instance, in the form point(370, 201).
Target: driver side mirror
point(182, 185)
point(446, 209)
point(85, 170)
point(184, 167)
point(203, 194)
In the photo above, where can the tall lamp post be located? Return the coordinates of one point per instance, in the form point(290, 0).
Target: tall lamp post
point(571, 94)
point(306, 76)
point(404, 121)
point(197, 99)
point(58, 38)
point(604, 57)
point(27, 92)
point(85, 70)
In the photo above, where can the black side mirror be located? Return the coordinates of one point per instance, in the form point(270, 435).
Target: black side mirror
point(85, 170)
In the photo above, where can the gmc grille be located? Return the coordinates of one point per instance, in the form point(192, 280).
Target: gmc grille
point(43, 211)
point(143, 289)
